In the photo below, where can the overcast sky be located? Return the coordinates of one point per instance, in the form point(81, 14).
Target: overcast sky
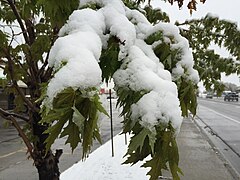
point(224, 9)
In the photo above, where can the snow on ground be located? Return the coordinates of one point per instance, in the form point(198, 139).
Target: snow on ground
point(100, 165)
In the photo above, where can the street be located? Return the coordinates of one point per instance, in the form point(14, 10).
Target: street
point(222, 122)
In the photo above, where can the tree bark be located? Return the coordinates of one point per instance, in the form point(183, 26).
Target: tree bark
point(46, 163)
point(47, 166)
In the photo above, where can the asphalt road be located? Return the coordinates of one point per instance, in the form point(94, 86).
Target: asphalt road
point(15, 165)
point(222, 122)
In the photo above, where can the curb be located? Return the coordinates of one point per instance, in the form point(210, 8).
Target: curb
point(201, 126)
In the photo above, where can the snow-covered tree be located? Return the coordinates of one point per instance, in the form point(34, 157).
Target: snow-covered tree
point(152, 68)
point(64, 50)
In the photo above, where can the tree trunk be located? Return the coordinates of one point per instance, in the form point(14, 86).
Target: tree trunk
point(47, 166)
point(46, 163)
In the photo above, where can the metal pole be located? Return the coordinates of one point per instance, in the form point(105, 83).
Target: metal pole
point(125, 138)
point(125, 133)
point(111, 120)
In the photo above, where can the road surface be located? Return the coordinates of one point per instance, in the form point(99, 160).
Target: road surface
point(222, 120)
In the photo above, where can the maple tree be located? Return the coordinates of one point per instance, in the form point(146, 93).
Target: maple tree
point(29, 30)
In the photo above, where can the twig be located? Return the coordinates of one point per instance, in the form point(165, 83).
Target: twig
point(22, 135)
point(19, 90)
point(47, 74)
point(41, 71)
point(12, 36)
point(6, 114)
point(57, 155)
point(18, 17)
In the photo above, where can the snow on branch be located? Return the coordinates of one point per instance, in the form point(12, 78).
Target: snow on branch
point(75, 57)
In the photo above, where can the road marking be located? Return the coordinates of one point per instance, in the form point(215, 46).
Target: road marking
point(231, 119)
point(12, 153)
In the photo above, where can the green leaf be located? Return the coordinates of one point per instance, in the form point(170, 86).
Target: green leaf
point(78, 119)
point(174, 160)
point(156, 36)
point(58, 12)
point(109, 61)
point(137, 156)
point(3, 82)
point(155, 15)
point(64, 99)
point(53, 132)
point(19, 104)
point(72, 131)
point(156, 164)
point(137, 141)
point(3, 38)
point(99, 106)
point(41, 45)
point(187, 96)
point(57, 114)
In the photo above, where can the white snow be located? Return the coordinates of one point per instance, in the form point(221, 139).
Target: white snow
point(100, 165)
point(76, 54)
point(154, 108)
point(172, 34)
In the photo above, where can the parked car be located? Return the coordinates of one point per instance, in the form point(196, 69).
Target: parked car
point(210, 96)
point(231, 96)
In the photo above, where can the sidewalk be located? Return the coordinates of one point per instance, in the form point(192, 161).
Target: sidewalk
point(198, 159)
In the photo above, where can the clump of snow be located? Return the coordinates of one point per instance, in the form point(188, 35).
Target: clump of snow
point(177, 42)
point(120, 27)
point(86, 20)
point(142, 25)
point(154, 107)
point(143, 74)
point(75, 60)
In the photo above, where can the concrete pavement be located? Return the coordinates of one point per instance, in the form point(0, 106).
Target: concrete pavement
point(199, 159)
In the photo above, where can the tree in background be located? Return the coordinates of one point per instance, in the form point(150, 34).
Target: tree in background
point(230, 87)
point(63, 60)
point(202, 34)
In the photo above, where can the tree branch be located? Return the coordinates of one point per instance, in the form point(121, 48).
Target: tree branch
point(5, 114)
point(18, 17)
point(22, 135)
point(19, 90)
point(30, 30)
point(1, 67)
point(47, 74)
point(57, 155)
point(9, 117)
point(25, 32)
point(41, 71)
